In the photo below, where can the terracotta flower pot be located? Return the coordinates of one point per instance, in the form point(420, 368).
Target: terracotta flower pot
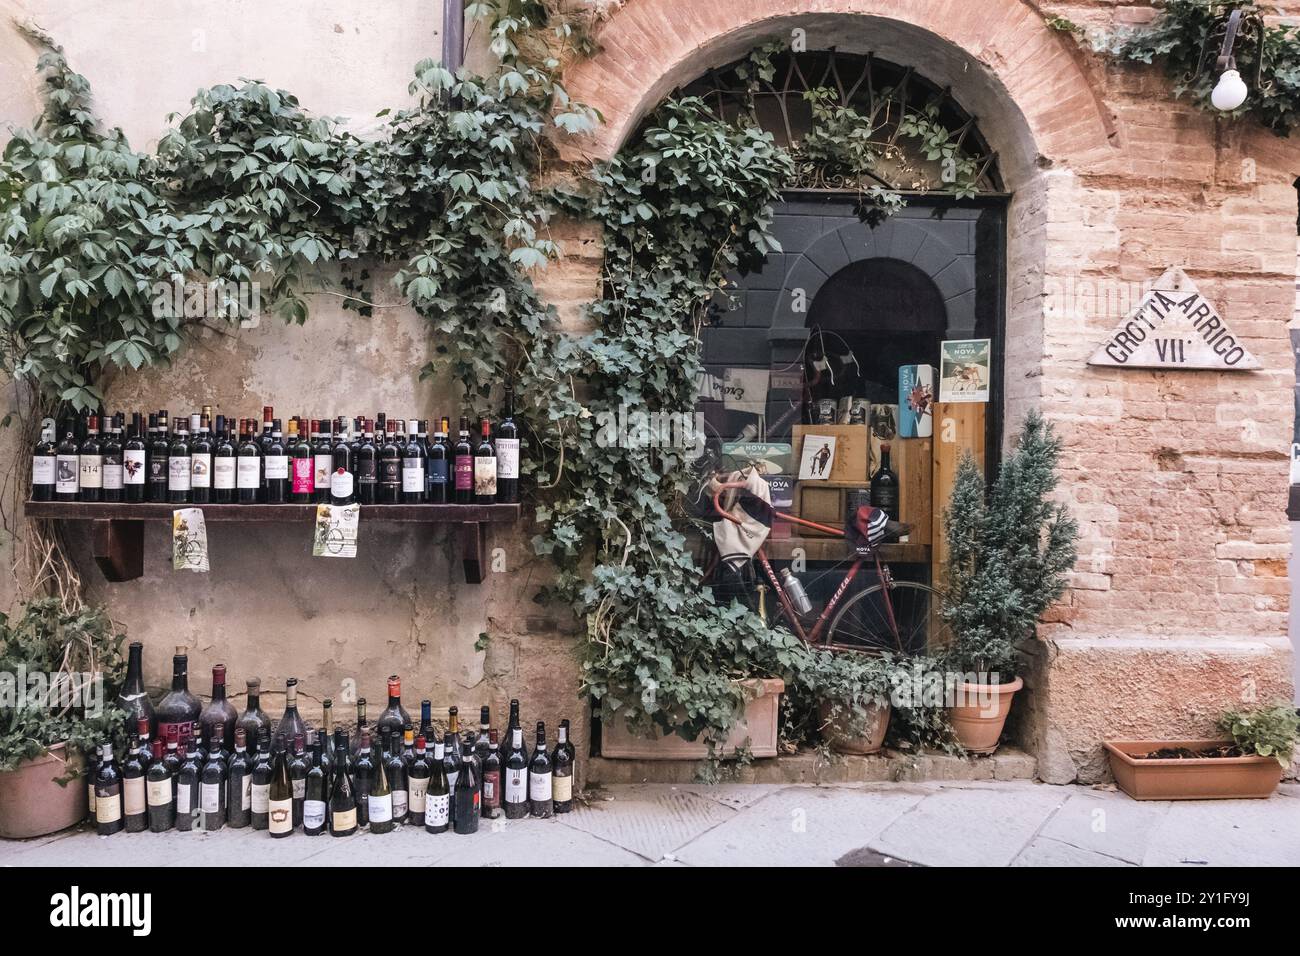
point(1192, 778)
point(839, 732)
point(980, 713)
point(760, 726)
point(31, 802)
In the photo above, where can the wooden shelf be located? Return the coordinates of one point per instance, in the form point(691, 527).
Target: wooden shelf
point(117, 528)
point(837, 549)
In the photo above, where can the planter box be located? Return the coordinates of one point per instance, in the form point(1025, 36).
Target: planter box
point(32, 804)
point(759, 724)
point(1199, 778)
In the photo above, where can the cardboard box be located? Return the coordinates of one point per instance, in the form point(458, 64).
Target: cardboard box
point(852, 445)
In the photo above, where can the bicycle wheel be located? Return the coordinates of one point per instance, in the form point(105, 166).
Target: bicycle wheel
point(862, 624)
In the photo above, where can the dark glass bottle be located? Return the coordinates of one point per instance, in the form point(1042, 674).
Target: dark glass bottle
point(187, 789)
point(394, 717)
point(485, 467)
point(363, 775)
point(426, 720)
point(417, 783)
point(156, 455)
point(253, 720)
point(322, 452)
point(513, 724)
point(302, 488)
point(90, 465)
point(135, 462)
point(135, 806)
point(108, 793)
point(481, 742)
point(159, 792)
point(299, 766)
point(291, 724)
point(218, 718)
point(260, 796)
point(437, 802)
point(201, 463)
point(540, 777)
point(45, 463)
point(212, 790)
point(362, 725)
point(514, 790)
point(263, 443)
point(315, 799)
point(343, 478)
point(397, 779)
point(414, 461)
point(224, 465)
point(379, 798)
point(390, 467)
point(275, 467)
point(492, 778)
point(366, 466)
point(438, 473)
point(326, 738)
point(239, 783)
point(342, 799)
point(463, 456)
point(178, 464)
point(562, 771)
point(178, 711)
point(67, 466)
point(279, 795)
point(111, 450)
point(507, 444)
point(452, 761)
point(172, 758)
point(248, 469)
point(884, 485)
point(133, 698)
point(466, 799)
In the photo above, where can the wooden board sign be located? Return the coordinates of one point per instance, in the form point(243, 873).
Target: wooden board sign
point(1174, 327)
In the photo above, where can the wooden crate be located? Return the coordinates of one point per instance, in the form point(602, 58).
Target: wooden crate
point(852, 450)
point(958, 427)
point(823, 502)
point(826, 502)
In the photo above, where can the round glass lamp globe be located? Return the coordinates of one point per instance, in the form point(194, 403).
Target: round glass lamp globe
point(1229, 92)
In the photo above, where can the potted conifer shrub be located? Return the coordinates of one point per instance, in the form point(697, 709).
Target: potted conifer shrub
point(1010, 549)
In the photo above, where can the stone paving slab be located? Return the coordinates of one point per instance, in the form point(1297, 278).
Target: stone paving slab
point(1106, 822)
point(1045, 851)
point(1228, 833)
point(649, 819)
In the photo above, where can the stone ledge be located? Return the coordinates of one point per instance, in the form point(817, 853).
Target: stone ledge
point(1009, 763)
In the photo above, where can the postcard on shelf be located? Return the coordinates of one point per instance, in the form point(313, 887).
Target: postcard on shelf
point(915, 401)
point(964, 370)
point(816, 457)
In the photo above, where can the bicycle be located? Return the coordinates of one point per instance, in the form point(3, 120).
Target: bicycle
point(900, 617)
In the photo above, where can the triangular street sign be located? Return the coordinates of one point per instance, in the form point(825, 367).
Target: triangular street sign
point(1173, 327)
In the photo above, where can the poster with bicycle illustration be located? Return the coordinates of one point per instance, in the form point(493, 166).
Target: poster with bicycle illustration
point(964, 370)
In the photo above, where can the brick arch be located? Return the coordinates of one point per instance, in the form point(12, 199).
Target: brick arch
point(1027, 86)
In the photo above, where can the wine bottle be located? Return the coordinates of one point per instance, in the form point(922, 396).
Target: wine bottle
point(45, 463)
point(67, 466)
point(108, 793)
point(394, 717)
point(275, 467)
point(133, 698)
point(201, 463)
point(363, 775)
point(299, 766)
point(515, 790)
point(426, 721)
point(187, 789)
point(248, 469)
point(485, 468)
point(90, 465)
point(239, 783)
point(379, 797)
point(437, 803)
point(343, 799)
point(512, 725)
point(417, 782)
point(253, 720)
point(366, 465)
point(463, 455)
point(172, 758)
point(111, 450)
point(156, 455)
point(397, 780)
point(260, 795)
point(179, 709)
point(342, 484)
point(507, 445)
point(217, 720)
point(413, 467)
point(315, 802)
point(178, 464)
point(159, 792)
point(439, 458)
point(291, 723)
point(481, 743)
point(562, 771)
point(390, 467)
point(303, 487)
point(264, 443)
point(466, 799)
point(540, 777)
point(884, 485)
point(322, 456)
point(135, 463)
point(326, 733)
point(225, 464)
point(280, 792)
point(451, 758)
point(212, 788)
point(492, 778)
point(135, 806)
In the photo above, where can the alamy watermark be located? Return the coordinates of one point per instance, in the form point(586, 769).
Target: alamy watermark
point(640, 428)
point(64, 690)
point(217, 299)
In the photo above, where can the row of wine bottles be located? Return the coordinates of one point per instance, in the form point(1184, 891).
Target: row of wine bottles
point(207, 460)
point(192, 767)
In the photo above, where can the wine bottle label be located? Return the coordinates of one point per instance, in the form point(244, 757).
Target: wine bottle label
point(174, 730)
point(366, 472)
point(159, 792)
point(492, 788)
point(507, 457)
point(108, 806)
point(92, 475)
point(563, 788)
point(178, 473)
point(201, 470)
point(313, 814)
point(223, 473)
point(43, 469)
point(485, 476)
point(412, 475)
point(438, 471)
point(248, 471)
point(90, 792)
point(210, 797)
point(516, 786)
point(183, 799)
point(539, 786)
point(113, 474)
point(400, 805)
point(392, 473)
point(261, 797)
point(381, 808)
point(437, 810)
point(133, 796)
point(341, 484)
point(246, 794)
point(345, 820)
point(133, 466)
point(323, 464)
point(158, 469)
point(66, 469)
point(281, 812)
point(464, 473)
point(415, 798)
point(277, 466)
point(304, 474)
